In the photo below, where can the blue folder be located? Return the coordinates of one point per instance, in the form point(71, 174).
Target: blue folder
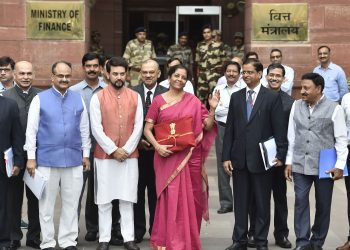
point(328, 158)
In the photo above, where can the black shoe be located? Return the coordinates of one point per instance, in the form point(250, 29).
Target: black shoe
point(24, 225)
point(283, 243)
point(5, 248)
point(33, 244)
point(262, 248)
point(70, 248)
point(115, 241)
point(47, 248)
point(237, 246)
point(251, 242)
point(307, 247)
point(91, 236)
point(103, 246)
point(315, 247)
point(131, 245)
point(15, 244)
point(224, 210)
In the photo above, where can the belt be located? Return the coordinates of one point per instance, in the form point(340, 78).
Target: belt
point(222, 124)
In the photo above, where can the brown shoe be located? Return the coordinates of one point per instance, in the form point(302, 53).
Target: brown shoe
point(346, 246)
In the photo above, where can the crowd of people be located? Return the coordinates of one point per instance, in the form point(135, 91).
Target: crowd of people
point(122, 133)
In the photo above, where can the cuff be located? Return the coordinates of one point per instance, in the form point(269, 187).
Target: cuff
point(31, 155)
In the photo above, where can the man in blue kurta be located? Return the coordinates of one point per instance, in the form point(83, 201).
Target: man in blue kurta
point(58, 146)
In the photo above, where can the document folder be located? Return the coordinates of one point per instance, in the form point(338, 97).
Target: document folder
point(328, 158)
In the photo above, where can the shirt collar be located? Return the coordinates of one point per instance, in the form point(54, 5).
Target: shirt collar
point(100, 84)
point(256, 89)
point(330, 66)
point(152, 90)
point(65, 93)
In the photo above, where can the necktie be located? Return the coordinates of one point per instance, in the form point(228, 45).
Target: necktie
point(148, 100)
point(249, 103)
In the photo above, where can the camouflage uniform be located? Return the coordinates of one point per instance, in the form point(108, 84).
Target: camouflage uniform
point(209, 58)
point(238, 52)
point(135, 53)
point(184, 53)
point(229, 52)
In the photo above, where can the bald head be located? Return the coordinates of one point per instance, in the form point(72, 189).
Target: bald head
point(150, 73)
point(237, 60)
point(24, 74)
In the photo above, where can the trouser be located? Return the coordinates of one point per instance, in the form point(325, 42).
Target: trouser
point(17, 187)
point(347, 185)
point(126, 221)
point(5, 208)
point(69, 181)
point(279, 191)
point(146, 180)
point(225, 190)
point(323, 196)
point(91, 209)
point(259, 185)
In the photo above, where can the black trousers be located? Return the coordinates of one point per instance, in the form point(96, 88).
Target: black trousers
point(247, 186)
point(146, 180)
point(5, 208)
point(17, 189)
point(91, 209)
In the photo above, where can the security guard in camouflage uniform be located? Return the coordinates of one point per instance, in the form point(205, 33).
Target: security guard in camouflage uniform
point(216, 34)
point(182, 51)
point(137, 51)
point(210, 56)
point(238, 47)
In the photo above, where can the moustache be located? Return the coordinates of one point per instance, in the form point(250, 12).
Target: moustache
point(92, 72)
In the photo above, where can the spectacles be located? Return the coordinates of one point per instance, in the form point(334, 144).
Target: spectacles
point(6, 70)
point(248, 72)
point(68, 77)
point(275, 57)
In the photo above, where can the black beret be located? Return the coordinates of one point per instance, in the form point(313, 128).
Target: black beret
point(140, 29)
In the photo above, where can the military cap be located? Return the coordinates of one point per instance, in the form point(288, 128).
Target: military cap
point(238, 34)
point(140, 29)
point(183, 33)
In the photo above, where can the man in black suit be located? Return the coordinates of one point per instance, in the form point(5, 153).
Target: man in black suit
point(23, 93)
point(255, 114)
point(148, 89)
point(11, 135)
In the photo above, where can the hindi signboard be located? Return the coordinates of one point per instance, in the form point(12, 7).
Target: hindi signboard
point(55, 20)
point(280, 22)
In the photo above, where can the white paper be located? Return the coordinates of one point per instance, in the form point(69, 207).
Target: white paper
point(8, 156)
point(268, 149)
point(36, 184)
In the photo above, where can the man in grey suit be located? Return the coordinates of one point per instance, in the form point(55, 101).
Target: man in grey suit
point(148, 90)
point(23, 93)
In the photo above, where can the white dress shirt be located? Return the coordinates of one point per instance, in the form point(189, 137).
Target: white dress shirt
point(226, 91)
point(188, 87)
point(345, 103)
point(339, 129)
point(152, 90)
point(33, 126)
point(287, 85)
point(240, 83)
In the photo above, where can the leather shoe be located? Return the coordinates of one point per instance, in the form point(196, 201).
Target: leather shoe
point(115, 241)
point(91, 236)
point(237, 246)
point(262, 248)
point(33, 244)
point(48, 248)
point(346, 246)
point(131, 245)
point(138, 239)
point(70, 248)
point(224, 210)
point(4, 248)
point(251, 241)
point(307, 247)
point(103, 246)
point(283, 243)
point(15, 244)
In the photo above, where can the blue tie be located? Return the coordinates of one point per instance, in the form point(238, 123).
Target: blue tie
point(249, 103)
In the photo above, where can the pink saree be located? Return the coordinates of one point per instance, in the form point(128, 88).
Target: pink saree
point(181, 180)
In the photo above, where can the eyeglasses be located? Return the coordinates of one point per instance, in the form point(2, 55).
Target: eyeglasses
point(248, 72)
point(6, 70)
point(60, 76)
point(277, 57)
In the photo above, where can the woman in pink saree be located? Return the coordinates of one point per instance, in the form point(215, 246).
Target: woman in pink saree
point(181, 181)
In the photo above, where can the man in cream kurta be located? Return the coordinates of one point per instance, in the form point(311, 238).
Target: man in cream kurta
point(116, 115)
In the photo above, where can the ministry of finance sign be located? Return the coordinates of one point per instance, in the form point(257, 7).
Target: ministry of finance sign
point(55, 20)
point(280, 22)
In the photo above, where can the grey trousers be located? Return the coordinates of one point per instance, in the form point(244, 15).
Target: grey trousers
point(225, 190)
point(323, 196)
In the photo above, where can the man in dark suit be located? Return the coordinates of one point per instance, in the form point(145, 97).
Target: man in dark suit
point(23, 93)
point(11, 135)
point(148, 90)
point(255, 114)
